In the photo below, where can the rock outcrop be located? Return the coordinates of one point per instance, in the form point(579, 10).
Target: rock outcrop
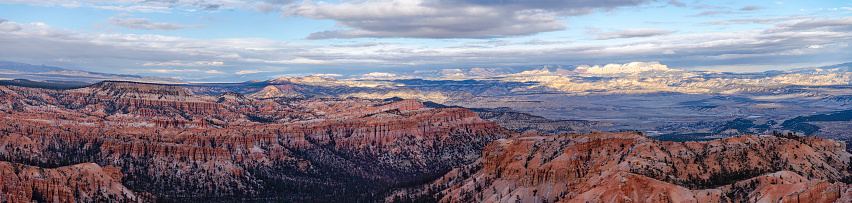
point(628, 167)
point(86, 182)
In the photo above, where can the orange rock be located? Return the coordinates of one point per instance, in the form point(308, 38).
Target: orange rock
point(77, 183)
point(628, 167)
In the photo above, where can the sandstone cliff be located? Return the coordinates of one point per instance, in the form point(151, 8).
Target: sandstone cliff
point(76, 183)
point(628, 167)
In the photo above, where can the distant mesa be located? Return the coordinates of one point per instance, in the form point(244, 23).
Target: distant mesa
point(303, 80)
point(634, 67)
point(23, 67)
point(627, 68)
point(49, 73)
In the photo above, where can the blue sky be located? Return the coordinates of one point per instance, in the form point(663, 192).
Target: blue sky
point(238, 40)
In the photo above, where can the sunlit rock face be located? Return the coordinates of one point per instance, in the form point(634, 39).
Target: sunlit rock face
point(634, 67)
point(168, 144)
point(86, 182)
point(625, 167)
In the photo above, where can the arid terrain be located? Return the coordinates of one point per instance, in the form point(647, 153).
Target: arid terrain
point(321, 139)
point(130, 141)
point(162, 143)
point(426, 101)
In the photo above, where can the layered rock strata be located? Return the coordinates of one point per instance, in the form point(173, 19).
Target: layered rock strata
point(628, 167)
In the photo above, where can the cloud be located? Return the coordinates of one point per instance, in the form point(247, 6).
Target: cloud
point(214, 72)
point(629, 33)
point(264, 7)
point(836, 24)
point(179, 63)
point(751, 8)
point(362, 44)
point(716, 23)
point(537, 41)
point(705, 6)
point(8, 26)
point(767, 20)
point(211, 18)
point(711, 13)
point(785, 42)
point(292, 75)
point(243, 72)
point(326, 75)
point(172, 70)
point(677, 3)
point(151, 6)
point(135, 8)
point(445, 19)
point(490, 43)
point(146, 24)
point(378, 75)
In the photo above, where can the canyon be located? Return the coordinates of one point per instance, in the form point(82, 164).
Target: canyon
point(630, 167)
point(169, 144)
point(514, 137)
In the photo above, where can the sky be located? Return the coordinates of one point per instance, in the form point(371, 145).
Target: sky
point(239, 40)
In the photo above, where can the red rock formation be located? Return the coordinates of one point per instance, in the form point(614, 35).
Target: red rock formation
point(77, 183)
point(176, 145)
point(627, 167)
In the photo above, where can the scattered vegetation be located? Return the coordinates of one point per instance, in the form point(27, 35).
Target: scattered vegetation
point(50, 84)
point(800, 124)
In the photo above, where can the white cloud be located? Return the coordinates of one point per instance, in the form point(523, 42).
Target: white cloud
point(751, 8)
point(9, 27)
point(717, 23)
point(136, 8)
point(362, 44)
point(769, 20)
point(711, 13)
point(787, 41)
point(157, 6)
point(146, 24)
point(843, 24)
point(291, 75)
point(180, 63)
point(445, 19)
point(172, 70)
point(264, 7)
point(378, 75)
point(629, 33)
point(326, 75)
point(214, 72)
point(677, 3)
point(243, 72)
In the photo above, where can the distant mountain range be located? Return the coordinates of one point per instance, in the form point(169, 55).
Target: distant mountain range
point(14, 70)
point(838, 68)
